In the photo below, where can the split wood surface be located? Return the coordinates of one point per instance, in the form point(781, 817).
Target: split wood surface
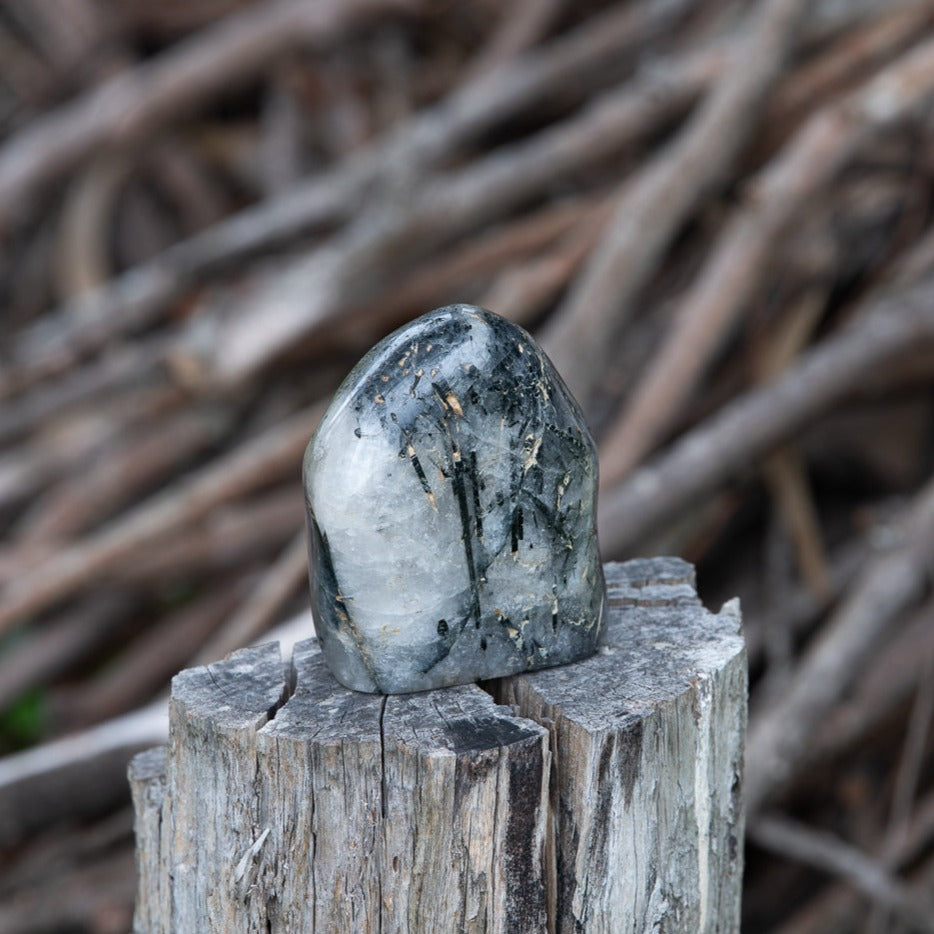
point(606, 796)
point(716, 217)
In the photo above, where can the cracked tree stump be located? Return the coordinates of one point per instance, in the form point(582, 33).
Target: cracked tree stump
point(606, 797)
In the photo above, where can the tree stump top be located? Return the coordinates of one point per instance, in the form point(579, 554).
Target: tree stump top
point(659, 637)
point(601, 796)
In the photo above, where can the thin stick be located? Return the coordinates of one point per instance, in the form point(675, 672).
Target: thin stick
point(310, 292)
point(912, 759)
point(35, 784)
point(830, 854)
point(908, 773)
point(521, 25)
point(136, 297)
point(800, 607)
point(445, 279)
point(779, 739)
point(130, 362)
point(232, 537)
point(131, 469)
point(783, 469)
point(255, 462)
point(884, 691)
point(754, 424)
point(82, 260)
point(133, 104)
point(145, 667)
point(259, 610)
point(737, 266)
point(582, 334)
point(69, 640)
point(836, 908)
point(28, 467)
point(853, 56)
point(521, 293)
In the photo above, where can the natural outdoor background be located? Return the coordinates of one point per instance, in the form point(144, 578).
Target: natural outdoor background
point(715, 215)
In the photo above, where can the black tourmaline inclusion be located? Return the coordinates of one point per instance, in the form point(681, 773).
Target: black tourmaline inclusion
point(451, 494)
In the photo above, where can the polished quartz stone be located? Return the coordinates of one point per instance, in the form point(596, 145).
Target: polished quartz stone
point(451, 496)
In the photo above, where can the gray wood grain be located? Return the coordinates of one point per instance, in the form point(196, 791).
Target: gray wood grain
point(647, 738)
point(147, 786)
point(605, 798)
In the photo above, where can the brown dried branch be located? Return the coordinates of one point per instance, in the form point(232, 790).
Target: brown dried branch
point(783, 469)
point(798, 610)
point(53, 852)
point(909, 772)
point(788, 482)
point(779, 738)
point(131, 106)
point(851, 58)
point(583, 333)
point(453, 277)
point(310, 293)
point(832, 855)
point(258, 612)
point(522, 293)
point(26, 468)
point(229, 537)
point(130, 363)
point(129, 471)
point(779, 193)
point(96, 894)
point(912, 761)
point(80, 775)
point(68, 640)
point(151, 660)
point(520, 27)
point(884, 690)
point(134, 298)
point(255, 462)
point(82, 260)
point(749, 427)
point(837, 907)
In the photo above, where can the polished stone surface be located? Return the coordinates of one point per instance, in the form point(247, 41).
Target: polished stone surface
point(451, 496)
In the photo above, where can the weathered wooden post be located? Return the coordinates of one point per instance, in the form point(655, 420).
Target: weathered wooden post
point(603, 796)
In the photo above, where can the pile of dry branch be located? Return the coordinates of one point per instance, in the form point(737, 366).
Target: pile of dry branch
point(716, 217)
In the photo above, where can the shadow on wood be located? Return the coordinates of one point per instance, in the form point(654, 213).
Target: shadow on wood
point(604, 797)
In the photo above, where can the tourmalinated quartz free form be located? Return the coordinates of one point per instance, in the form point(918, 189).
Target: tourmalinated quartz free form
point(451, 495)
